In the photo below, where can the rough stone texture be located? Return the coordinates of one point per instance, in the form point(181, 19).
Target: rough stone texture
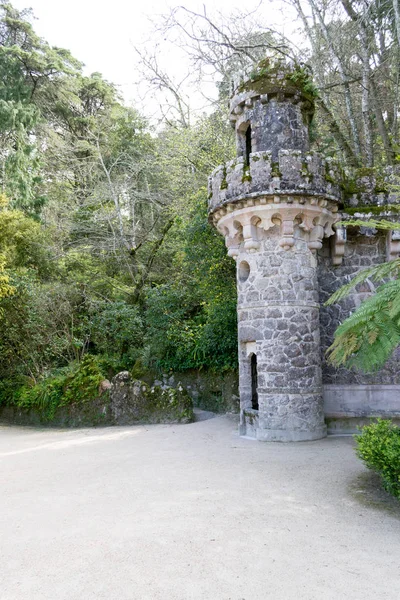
point(126, 402)
point(276, 205)
point(278, 110)
point(278, 310)
point(293, 173)
point(361, 251)
point(85, 414)
point(216, 392)
point(133, 401)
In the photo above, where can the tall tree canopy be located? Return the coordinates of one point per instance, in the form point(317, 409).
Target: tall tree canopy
point(105, 248)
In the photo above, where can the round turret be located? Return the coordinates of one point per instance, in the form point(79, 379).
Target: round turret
point(271, 109)
point(274, 204)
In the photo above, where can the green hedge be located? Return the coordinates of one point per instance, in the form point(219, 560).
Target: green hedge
point(378, 446)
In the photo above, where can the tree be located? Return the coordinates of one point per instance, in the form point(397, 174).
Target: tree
point(30, 71)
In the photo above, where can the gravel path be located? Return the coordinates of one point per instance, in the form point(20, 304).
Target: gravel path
point(190, 512)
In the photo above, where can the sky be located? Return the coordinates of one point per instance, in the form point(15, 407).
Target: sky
point(103, 34)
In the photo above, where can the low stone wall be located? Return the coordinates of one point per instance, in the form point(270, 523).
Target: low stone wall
point(86, 414)
point(127, 402)
point(133, 401)
point(348, 407)
point(217, 392)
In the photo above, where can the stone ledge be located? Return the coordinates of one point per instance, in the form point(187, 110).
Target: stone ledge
point(348, 407)
point(342, 401)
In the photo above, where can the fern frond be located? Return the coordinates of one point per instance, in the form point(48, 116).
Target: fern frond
point(383, 224)
point(376, 273)
point(367, 338)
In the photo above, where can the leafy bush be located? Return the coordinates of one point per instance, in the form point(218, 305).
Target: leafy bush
point(117, 332)
point(43, 327)
point(186, 333)
point(74, 384)
point(379, 447)
point(191, 319)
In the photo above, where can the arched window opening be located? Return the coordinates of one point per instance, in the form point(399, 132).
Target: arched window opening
point(254, 382)
point(248, 145)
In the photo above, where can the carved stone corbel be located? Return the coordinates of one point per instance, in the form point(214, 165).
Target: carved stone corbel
point(338, 242)
point(287, 240)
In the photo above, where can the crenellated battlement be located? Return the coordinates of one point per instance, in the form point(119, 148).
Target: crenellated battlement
point(293, 174)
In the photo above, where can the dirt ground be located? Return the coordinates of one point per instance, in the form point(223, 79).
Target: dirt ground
point(191, 512)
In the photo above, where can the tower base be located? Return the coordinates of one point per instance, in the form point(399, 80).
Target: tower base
point(250, 427)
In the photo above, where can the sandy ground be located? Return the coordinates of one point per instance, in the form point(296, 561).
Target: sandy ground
point(190, 512)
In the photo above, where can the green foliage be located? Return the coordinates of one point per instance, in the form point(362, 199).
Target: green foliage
point(379, 447)
point(5, 288)
point(294, 74)
point(30, 71)
point(119, 262)
point(45, 396)
point(117, 331)
point(191, 320)
point(376, 273)
point(83, 384)
point(69, 386)
point(23, 242)
point(368, 337)
point(43, 326)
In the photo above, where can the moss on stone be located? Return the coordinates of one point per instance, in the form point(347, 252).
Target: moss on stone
point(168, 404)
point(275, 172)
point(270, 77)
point(246, 174)
point(224, 183)
point(373, 209)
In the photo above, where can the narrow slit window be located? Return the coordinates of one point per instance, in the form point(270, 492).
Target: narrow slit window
point(248, 145)
point(254, 382)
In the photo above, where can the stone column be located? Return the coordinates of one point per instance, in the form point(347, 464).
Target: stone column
point(278, 310)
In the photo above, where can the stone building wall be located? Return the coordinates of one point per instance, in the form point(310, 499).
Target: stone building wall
point(352, 397)
point(361, 251)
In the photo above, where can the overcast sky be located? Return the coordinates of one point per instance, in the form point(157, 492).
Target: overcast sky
point(102, 34)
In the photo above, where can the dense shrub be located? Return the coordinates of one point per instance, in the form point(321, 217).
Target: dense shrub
point(186, 333)
point(74, 384)
point(43, 327)
point(117, 332)
point(379, 447)
point(191, 319)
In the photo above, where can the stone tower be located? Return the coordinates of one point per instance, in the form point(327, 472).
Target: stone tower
point(274, 204)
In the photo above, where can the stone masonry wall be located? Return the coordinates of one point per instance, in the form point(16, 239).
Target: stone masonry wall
point(293, 173)
point(361, 251)
point(278, 309)
point(275, 125)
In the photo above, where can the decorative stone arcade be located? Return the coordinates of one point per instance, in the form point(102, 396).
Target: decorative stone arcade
point(274, 204)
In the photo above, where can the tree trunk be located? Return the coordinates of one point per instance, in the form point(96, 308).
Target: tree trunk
point(147, 267)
